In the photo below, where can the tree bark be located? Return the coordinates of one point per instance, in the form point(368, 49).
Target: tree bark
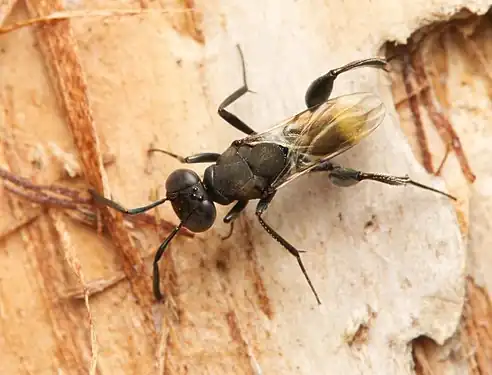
point(83, 100)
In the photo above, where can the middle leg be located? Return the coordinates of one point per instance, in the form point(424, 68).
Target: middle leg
point(231, 118)
point(260, 209)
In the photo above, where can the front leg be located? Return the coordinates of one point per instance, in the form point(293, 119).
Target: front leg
point(260, 209)
point(233, 214)
point(118, 207)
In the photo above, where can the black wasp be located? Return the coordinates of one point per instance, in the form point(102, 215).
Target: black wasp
point(256, 166)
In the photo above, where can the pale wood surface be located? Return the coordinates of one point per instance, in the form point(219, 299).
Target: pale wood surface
point(239, 306)
point(455, 70)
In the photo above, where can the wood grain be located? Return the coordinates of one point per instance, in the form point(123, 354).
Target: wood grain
point(121, 84)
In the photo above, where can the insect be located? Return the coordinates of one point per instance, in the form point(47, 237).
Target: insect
point(258, 165)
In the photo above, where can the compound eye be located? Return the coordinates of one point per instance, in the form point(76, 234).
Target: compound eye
point(181, 179)
point(203, 217)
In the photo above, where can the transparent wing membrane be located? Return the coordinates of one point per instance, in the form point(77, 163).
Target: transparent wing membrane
point(323, 132)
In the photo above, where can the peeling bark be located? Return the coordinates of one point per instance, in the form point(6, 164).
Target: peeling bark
point(389, 263)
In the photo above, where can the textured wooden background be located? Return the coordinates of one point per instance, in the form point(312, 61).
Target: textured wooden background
point(83, 99)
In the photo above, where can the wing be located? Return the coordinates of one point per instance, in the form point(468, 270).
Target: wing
point(323, 132)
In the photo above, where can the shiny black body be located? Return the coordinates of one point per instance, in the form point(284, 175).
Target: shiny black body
point(244, 172)
point(188, 195)
point(254, 167)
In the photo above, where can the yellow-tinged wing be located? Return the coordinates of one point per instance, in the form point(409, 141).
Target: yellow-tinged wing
point(323, 132)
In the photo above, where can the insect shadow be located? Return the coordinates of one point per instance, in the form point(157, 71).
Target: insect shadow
point(259, 164)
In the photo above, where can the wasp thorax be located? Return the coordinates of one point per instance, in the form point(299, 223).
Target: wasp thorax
point(214, 186)
point(190, 200)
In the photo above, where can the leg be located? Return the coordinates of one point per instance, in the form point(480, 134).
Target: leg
point(133, 211)
point(225, 114)
point(347, 177)
point(320, 89)
point(228, 235)
point(233, 214)
point(158, 255)
point(235, 211)
point(204, 157)
point(260, 209)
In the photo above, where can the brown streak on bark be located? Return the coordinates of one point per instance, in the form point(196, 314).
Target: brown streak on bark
point(5, 9)
point(237, 336)
point(471, 345)
point(477, 324)
point(404, 101)
point(64, 318)
point(420, 348)
point(70, 256)
point(41, 247)
point(440, 121)
point(60, 51)
point(28, 218)
point(415, 110)
point(443, 162)
point(73, 199)
point(263, 299)
point(189, 22)
point(438, 71)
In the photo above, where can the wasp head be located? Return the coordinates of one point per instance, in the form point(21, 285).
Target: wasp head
point(190, 200)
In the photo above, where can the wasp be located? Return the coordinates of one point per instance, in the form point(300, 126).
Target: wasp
point(258, 165)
